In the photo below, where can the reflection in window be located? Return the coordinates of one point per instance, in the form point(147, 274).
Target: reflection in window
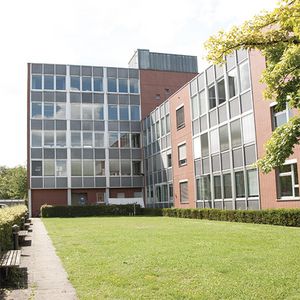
point(221, 91)
point(135, 112)
point(75, 83)
point(288, 181)
point(112, 112)
point(76, 111)
point(36, 138)
point(135, 140)
point(204, 144)
point(49, 82)
point(184, 195)
point(217, 187)
point(204, 188)
point(124, 140)
point(235, 129)
point(100, 167)
point(99, 140)
point(214, 141)
point(60, 138)
point(76, 139)
point(212, 97)
point(87, 111)
point(124, 112)
point(98, 84)
point(134, 85)
point(49, 167)
point(113, 139)
point(195, 107)
point(61, 168)
point(232, 82)
point(60, 111)
point(87, 138)
point(281, 117)
point(227, 186)
point(239, 184)
point(123, 85)
point(125, 167)
point(98, 112)
point(224, 141)
point(48, 110)
point(49, 138)
point(248, 129)
point(36, 168)
point(36, 83)
point(203, 106)
point(60, 82)
point(114, 168)
point(112, 85)
point(36, 110)
point(76, 167)
point(86, 83)
point(244, 77)
point(252, 181)
point(88, 168)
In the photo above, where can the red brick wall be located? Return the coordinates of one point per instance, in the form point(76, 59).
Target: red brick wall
point(91, 194)
point(155, 82)
point(263, 124)
point(178, 136)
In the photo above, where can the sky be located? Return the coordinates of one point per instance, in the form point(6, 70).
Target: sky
point(98, 32)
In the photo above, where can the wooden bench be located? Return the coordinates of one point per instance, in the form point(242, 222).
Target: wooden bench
point(10, 259)
point(21, 235)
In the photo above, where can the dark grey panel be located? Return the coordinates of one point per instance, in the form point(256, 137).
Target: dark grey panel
point(125, 153)
point(86, 71)
point(61, 182)
point(135, 126)
point(124, 126)
point(76, 153)
point(137, 181)
point(113, 126)
point(240, 204)
point(36, 124)
point(123, 99)
point(98, 98)
point(126, 181)
point(49, 182)
point(60, 70)
point(87, 97)
point(88, 182)
point(48, 125)
point(75, 70)
point(36, 96)
point(75, 125)
point(61, 125)
point(61, 153)
point(112, 99)
point(114, 181)
point(99, 154)
point(61, 97)
point(218, 204)
point(112, 72)
point(100, 182)
point(48, 69)
point(37, 182)
point(75, 97)
point(114, 153)
point(49, 96)
point(134, 99)
point(122, 73)
point(76, 182)
point(36, 153)
point(228, 205)
point(98, 71)
point(37, 68)
point(88, 153)
point(133, 73)
point(49, 153)
point(136, 153)
point(253, 204)
point(87, 125)
point(99, 126)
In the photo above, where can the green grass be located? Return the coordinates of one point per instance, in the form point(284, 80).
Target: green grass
point(169, 258)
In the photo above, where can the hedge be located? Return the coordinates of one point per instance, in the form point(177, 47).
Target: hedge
point(49, 211)
point(283, 217)
point(10, 216)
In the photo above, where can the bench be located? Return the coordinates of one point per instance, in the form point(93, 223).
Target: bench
point(21, 235)
point(10, 259)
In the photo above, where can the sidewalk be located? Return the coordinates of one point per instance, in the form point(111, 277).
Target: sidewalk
point(47, 278)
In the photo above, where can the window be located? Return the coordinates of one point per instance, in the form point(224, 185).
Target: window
point(135, 113)
point(288, 181)
point(36, 110)
point(281, 117)
point(112, 85)
point(203, 106)
point(124, 140)
point(36, 139)
point(232, 82)
point(235, 129)
point(99, 140)
point(195, 107)
point(204, 188)
point(61, 168)
point(114, 168)
point(217, 187)
point(76, 168)
point(221, 91)
point(248, 129)
point(112, 112)
point(212, 97)
point(134, 85)
point(125, 167)
point(98, 112)
point(100, 167)
point(167, 123)
point(75, 83)
point(36, 83)
point(169, 160)
point(87, 138)
point(98, 84)
point(123, 85)
point(113, 140)
point(227, 189)
point(75, 139)
point(60, 111)
point(49, 82)
point(184, 196)
point(48, 138)
point(204, 144)
point(214, 141)
point(49, 167)
point(180, 117)
point(135, 140)
point(60, 138)
point(86, 83)
point(224, 142)
point(87, 111)
point(76, 111)
point(60, 82)
point(239, 184)
point(252, 181)
point(123, 112)
point(182, 155)
point(36, 168)
point(244, 77)
point(49, 110)
point(197, 147)
point(88, 168)
point(136, 167)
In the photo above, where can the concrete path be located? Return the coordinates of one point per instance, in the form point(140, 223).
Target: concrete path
point(47, 278)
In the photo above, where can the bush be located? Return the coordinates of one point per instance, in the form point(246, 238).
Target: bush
point(10, 216)
point(151, 211)
point(283, 217)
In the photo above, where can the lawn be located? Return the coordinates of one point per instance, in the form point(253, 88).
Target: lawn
point(169, 258)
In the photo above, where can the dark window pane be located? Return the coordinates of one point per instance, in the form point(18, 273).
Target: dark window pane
point(36, 82)
point(36, 168)
point(86, 83)
point(112, 85)
point(212, 97)
point(135, 113)
point(286, 187)
point(227, 186)
point(232, 82)
point(224, 141)
point(123, 85)
point(217, 187)
point(75, 83)
point(112, 112)
point(204, 144)
point(48, 82)
point(60, 82)
point(36, 111)
point(180, 117)
point(239, 184)
point(221, 91)
point(134, 85)
point(98, 84)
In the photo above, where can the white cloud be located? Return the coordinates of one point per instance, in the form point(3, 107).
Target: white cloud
point(99, 33)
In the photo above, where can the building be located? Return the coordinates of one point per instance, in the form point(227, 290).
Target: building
point(200, 144)
point(84, 127)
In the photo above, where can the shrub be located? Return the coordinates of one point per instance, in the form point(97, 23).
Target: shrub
point(8, 217)
point(283, 217)
point(151, 211)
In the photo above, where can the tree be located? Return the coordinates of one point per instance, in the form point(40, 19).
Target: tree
point(277, 35)
point(13, 183)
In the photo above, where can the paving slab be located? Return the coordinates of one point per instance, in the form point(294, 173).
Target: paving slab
point(47, 278)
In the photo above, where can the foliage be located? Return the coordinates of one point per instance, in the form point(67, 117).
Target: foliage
point(176, 258)
point(277, 35)
point(13, 182)
point(10, 216)
point(283, 217)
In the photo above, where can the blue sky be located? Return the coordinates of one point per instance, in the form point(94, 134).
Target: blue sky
point(98, 32)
